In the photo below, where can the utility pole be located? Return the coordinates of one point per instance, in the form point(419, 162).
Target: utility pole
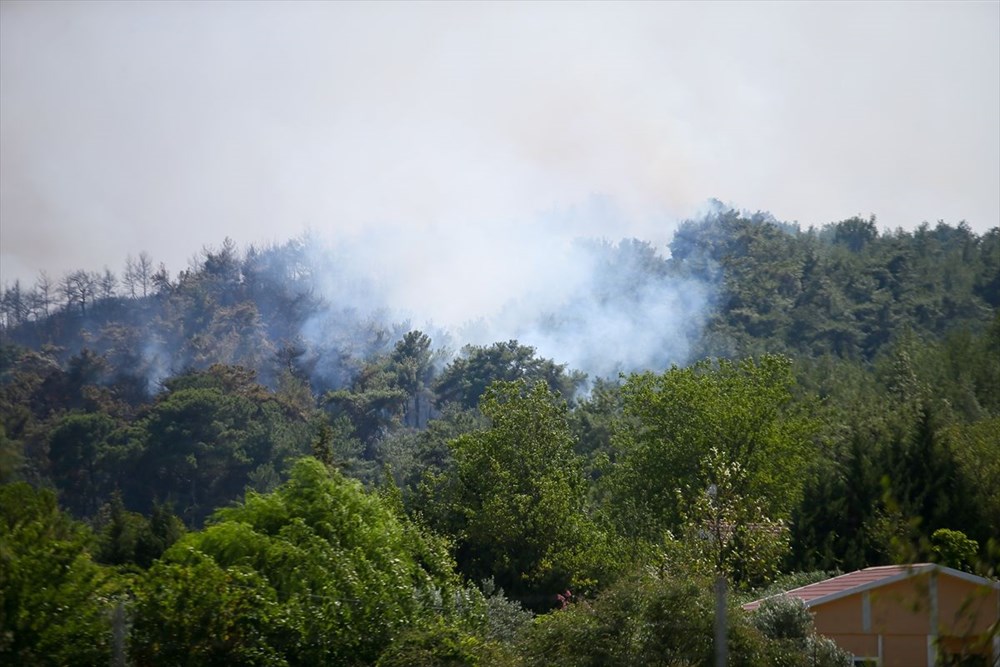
point(118, 635)
point(721, 644)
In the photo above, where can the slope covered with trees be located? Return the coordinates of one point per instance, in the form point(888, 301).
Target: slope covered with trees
point(240, 465)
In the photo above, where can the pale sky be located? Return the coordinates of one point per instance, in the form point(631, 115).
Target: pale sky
point(459, 140)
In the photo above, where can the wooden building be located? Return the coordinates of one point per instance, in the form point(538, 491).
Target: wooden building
point(922, 615)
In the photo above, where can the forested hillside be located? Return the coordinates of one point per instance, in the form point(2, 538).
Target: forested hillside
point(255, 462)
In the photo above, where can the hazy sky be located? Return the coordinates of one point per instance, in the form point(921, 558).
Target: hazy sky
point(460, 140)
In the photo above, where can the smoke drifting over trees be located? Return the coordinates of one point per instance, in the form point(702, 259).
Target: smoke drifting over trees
point(599, 307)
point(471, 132)
point(462, 321)
point(573, 443)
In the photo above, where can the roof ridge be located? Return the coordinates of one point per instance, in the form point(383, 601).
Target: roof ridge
point(866, 579)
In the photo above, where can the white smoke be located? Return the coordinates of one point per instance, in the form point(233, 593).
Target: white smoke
point(597, 306)
point(165, 126)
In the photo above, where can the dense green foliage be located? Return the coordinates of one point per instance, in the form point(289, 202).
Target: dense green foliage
point(710, 450)
point(651, 619)
point(316, 572)
point(845, 289)
point(55, 598)
point(675, 420)
point(515, 498)
point(789, 625)
point(841, 410)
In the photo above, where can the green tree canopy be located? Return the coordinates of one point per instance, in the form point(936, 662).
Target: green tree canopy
point(515, 496)
point(55, 602)
point(210, 436)
point(647, 618)
point(319, 572)
point(466, 378)
point(82, 454)
point(740, 412)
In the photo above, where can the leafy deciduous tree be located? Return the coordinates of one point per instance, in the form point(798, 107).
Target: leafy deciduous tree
point(743, 411)
point(55, 601)
point(515, 497)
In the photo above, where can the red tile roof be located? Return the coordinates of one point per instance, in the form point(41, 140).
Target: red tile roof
point(867, 578)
